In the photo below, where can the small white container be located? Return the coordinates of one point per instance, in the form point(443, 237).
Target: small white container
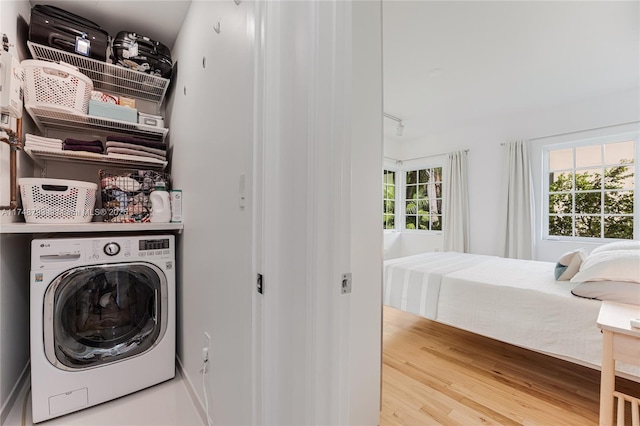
point(150, 120)
point(176, 205)
point(160, 204)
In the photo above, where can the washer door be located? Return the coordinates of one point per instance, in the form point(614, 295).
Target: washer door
point(101, 314)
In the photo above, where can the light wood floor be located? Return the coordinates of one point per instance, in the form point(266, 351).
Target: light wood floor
point(434, 374)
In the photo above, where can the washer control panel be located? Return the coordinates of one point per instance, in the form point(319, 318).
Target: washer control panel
point(131, 248)
point(59, 253)
point(137, 248)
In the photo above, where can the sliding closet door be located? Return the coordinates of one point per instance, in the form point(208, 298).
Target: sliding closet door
point(317, 356)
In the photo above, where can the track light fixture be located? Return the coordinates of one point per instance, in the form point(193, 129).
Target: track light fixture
point(400, 127)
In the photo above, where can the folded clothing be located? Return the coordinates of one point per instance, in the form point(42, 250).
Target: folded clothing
point(114, 150)
point(137, 141)
point(111, 144)
point(88, 148)
point(69, 141)
point(34, 138)
point(43, 145)
point(33, 141)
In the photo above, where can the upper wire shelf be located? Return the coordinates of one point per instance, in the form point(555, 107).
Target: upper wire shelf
point(108, 77)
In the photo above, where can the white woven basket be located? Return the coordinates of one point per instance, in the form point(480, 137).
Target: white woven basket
point(57, 200)
point(54, 86)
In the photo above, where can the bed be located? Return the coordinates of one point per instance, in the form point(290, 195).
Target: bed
point(515, 301)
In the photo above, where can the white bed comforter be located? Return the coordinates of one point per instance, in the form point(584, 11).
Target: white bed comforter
point(514, 301)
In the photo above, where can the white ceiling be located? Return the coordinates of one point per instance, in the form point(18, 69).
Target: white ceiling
point(450, 62)
point(158, 20)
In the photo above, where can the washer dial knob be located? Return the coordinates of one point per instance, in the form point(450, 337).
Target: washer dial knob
point(111, 249)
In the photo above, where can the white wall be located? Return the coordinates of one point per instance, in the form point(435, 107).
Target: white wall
point(211, 139)
point(392, 244)
point(392, 149)
point(483, 139)
point(401, 244)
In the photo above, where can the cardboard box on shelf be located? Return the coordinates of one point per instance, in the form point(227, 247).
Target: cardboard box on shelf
point(127, 102)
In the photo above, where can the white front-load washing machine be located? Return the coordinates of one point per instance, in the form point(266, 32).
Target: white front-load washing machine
point(102, 319)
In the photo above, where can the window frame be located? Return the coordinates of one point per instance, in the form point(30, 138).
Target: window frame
point(585, 142)
point(400, 168)
point(418, 168)
point(395, 169)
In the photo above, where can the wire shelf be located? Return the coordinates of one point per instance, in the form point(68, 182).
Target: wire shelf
point(45, 117)
point(40, 155)
point(108, 77)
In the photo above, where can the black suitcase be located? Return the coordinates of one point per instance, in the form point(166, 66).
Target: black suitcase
point(140, 53)
point(55, 27)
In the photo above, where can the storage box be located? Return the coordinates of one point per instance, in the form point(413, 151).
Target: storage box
point(99, 96)
point(150, 120)
point(114, 112)
point(128, 102)
point(57, 200)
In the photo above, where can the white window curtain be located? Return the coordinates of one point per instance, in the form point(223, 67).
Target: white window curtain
point(456, 204)
point(515, 237)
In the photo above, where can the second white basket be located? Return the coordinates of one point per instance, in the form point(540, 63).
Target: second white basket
point(57, 200)
point(54, 86)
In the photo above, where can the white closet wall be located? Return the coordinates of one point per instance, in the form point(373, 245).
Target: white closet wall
point(209, 112)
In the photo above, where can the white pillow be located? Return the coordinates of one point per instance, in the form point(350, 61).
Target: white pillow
point(614, 291)
point(616, 265)
point(618, 245)
point(569, 264)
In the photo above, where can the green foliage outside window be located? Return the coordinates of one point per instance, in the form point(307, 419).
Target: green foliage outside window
point(389, 199)
point(592, 203)
point(423, 199)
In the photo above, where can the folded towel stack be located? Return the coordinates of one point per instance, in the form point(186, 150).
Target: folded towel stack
point(81, 145)
point(130, 145)
point(40, 142)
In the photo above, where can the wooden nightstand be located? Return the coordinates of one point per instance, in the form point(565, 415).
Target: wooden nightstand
point(620, 342)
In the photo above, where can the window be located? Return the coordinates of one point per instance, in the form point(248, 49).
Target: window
point(389, 199)
point(423, 199)
point(412, 197)
point(590, 189)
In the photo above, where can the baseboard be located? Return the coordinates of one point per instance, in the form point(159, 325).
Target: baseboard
point(15, 392)
point(191, 390)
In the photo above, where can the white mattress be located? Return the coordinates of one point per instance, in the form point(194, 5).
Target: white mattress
point(514, 301)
